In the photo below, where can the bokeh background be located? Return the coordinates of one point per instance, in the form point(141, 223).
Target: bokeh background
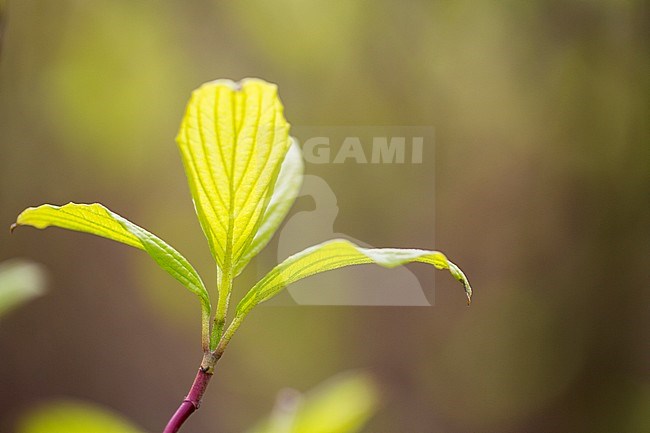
point(542, 189)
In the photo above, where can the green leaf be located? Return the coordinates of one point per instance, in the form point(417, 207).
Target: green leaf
point(233, 140)
point(98, 220)
point(336, 254)
point(286, 189)
point(343, 404)
point(74, 417)
point(20, 281)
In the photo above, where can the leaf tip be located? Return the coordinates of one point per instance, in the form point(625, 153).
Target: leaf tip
point(468, 292)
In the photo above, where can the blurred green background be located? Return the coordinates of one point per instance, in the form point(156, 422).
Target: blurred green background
point(542, 193)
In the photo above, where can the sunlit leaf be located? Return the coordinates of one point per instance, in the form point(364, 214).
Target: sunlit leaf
point(343, 404)
point(286, 189)
point(233, 140)
point(20, 281)
point(98, 220)
point(74, 417)
point(336, 254)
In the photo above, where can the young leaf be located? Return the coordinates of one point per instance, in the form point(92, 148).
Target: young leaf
point(286, 189)
point(233, 140)
point(336, 254)
point(98, 220)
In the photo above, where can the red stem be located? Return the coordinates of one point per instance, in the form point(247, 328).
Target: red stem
point(191, 402)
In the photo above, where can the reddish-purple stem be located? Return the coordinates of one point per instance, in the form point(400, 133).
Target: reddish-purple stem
point(191, 402)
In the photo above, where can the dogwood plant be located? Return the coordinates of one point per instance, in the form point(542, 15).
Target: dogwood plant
point(244, 173)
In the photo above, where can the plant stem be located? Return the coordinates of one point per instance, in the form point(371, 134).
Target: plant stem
point(193, 400)
point(225, 288)
point(205, 329)
point(234, 325)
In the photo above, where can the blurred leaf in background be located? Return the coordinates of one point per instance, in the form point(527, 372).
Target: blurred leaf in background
point(341, 405)
point(74, 417)
point(20, 281)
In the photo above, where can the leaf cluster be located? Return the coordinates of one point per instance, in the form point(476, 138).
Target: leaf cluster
point(244, 172)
